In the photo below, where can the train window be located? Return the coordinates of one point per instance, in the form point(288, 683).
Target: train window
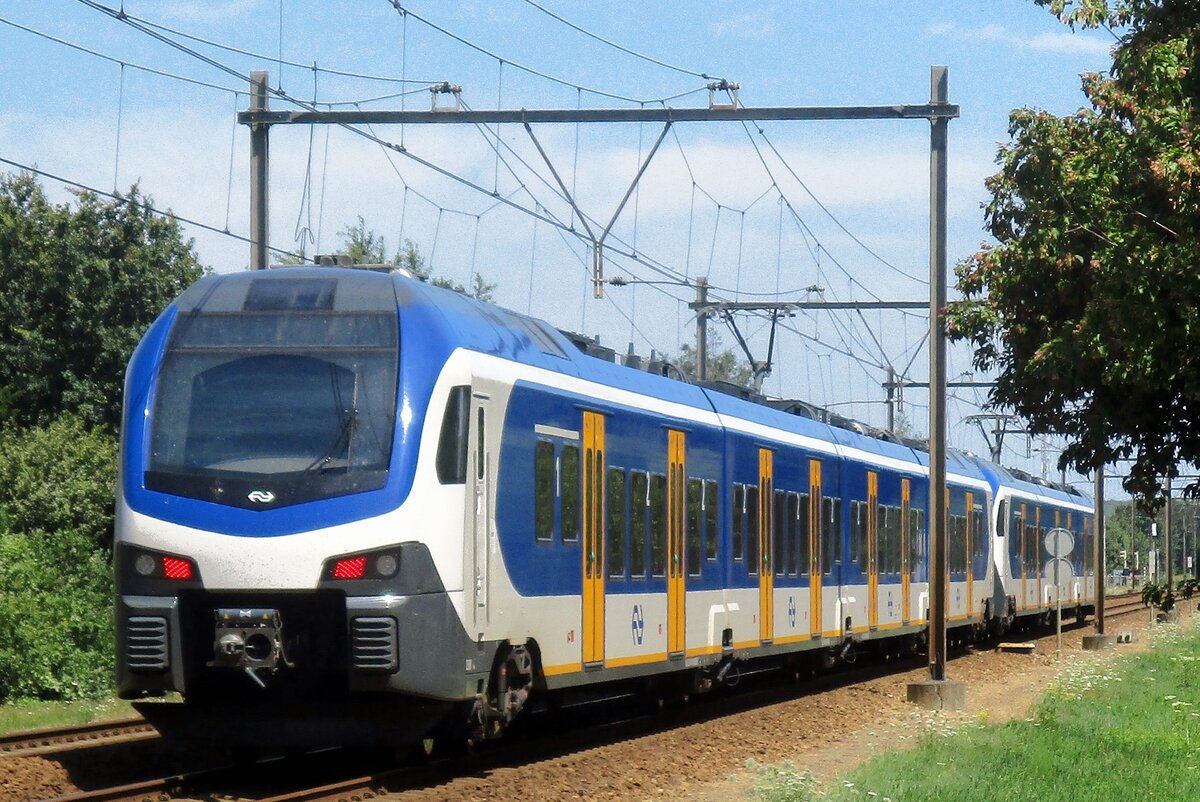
point(979, 534)
point(480, 461)
point(804, 558)
point(1089, 552)
point(897, 539)
point(1018, 539)
point(452, 443)
point(1041, 541)
point(753, 534)
point(569, 491)
point(739, 519)
point(780, 526)
point(1087, 546)
point(1034, 550)
point(543, 490)
point(658, 525)
point(1001, 518)
point(1027, 548)
point(793, 528)
point(883, 540)
point(916, 541)
point(958, 543)
point(893, 551)
point(882, 518)
point(831, 526)
point(615, 522)
point(858, 525)
point(888, 519)
point(639, 504)
point(695, 532)
point(710, 520)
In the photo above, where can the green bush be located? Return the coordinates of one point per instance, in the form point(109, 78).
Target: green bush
point(57, 477)
point(56, 583)
point(56, 621)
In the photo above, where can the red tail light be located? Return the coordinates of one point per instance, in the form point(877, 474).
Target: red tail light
point(175, 568)
point(350, 568)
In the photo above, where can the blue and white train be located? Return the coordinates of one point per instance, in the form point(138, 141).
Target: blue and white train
point(350, 496)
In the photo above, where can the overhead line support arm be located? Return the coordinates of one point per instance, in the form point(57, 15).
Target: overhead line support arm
point(929, 111)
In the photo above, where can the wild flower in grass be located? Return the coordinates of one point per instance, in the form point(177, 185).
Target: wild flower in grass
point(783, 783)
point(1167, 634)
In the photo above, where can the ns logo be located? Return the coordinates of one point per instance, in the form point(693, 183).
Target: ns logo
point(261, 496)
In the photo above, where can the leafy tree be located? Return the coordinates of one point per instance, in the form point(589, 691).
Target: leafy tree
point(81, 285)
point(722, 365)
point(1088, 307)
point(365, 246)
point(902, 425)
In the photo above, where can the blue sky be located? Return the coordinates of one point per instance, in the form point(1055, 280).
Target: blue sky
point(706, 206)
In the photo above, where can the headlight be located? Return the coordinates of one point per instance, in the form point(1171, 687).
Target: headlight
point(386, 565)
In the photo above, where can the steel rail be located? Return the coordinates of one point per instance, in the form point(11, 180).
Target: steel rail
point(52, 740)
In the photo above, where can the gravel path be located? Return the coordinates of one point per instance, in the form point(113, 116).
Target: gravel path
point(826, 732)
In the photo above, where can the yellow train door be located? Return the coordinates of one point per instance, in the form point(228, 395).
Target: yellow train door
point(905, 544)
point(872, 549)
point(814, 546)
point(766, 568)
point(593, 537)
point(676, 548)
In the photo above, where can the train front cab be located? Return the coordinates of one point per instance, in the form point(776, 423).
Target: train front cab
point(349, 599)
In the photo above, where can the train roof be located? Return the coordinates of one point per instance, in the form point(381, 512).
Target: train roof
point(485, 327)
point(1016, 479)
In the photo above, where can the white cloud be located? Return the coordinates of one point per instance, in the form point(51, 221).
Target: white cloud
point(1070, 43)
point(752, 25)
point(1060, 43)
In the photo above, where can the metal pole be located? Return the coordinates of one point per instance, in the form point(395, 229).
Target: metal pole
point(891, 399)
point(938, 585)
point(1101, 550)
point(259, 219)
point(702, 330)
point(1167, 540)
point(1133, 535)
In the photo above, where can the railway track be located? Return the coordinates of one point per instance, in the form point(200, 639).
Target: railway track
point(79, 736)
point(281, 780)
point(1124, 604)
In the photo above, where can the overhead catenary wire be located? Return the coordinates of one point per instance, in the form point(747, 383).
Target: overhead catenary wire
point(114, 60)
point(623, 49)
point(833, 217)
point(232, 150)
point(120, 116)
point(283, 95)
point(391, 79)
point(152, 209)
point(538, 213)
point(123, 63)
point(401, 9)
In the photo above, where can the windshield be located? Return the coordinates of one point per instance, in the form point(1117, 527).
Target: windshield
point(276, 390)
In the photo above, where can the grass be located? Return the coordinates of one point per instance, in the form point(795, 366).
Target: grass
point(1118, 730)
point(32, 715)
